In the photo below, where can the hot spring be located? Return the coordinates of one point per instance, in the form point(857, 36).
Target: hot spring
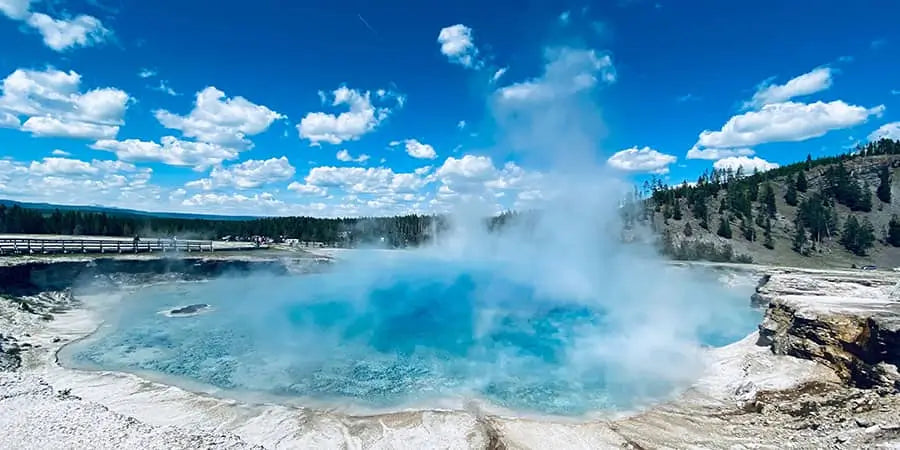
point(395, 330)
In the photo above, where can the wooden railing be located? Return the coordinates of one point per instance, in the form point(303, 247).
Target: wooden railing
point(17, 246)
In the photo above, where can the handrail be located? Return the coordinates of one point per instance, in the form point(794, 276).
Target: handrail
point(96, 245)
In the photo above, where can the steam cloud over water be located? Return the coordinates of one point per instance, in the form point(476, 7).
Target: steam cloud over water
point(552, 315)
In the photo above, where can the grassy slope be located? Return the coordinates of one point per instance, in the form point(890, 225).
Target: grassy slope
point(829, 254)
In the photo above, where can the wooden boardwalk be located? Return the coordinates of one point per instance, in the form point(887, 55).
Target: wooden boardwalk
point(46, 246)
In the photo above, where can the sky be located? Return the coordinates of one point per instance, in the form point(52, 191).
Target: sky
point(355, 108)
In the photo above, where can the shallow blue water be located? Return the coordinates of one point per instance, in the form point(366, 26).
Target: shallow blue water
point(416, 333)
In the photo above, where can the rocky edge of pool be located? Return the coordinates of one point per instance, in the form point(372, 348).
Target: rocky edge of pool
point(821, 372)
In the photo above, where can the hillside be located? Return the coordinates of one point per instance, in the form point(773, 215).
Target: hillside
point(838, 190)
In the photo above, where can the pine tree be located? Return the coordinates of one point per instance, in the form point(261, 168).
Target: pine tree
point(724, 227)
point(790, 197)
point(801, 183)
point(799, 239)
point(893, 234)
point(747, 229)
point(884, 186)
point(808, 161)
point(676, 211)
point(858, 237)
point(767, 234)
point(769, 200)
point(688, 230)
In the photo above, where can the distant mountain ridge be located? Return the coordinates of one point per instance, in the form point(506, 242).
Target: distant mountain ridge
point(122, 211)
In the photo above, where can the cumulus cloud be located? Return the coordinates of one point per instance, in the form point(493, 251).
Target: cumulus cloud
point(73, 181)
point(713, 154)
point(59, 152)
point(886, 131)
point(748, 164)
point(53, 105)
point(641, 160)
point(345, 156)
point(265, 200)
point(147, 73)
point(786, 122)
point(170, 150)
point(567, 71)
point(58, 34)
point(419, 150)
point(15, 9)
point(306, 189)
point(361, 118)
point(246, 175)
point(374, 180)
point(220, 120)
point(458, 46)
point(164, 87)
point(62, 34)
point(811, 82)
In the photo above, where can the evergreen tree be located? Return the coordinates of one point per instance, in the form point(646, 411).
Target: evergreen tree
point(747, 229)
point(790, 197)
point(724, 228)
point(801, 183)
point(676, 211)
point(767, 235)
point(688, 230)
point(858, 237)
point(769, 200)
point(893, 234)
point(799, 242)
point(884, 185)
point(808, 161)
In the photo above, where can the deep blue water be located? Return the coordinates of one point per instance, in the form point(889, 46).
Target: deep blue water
point(415, 333)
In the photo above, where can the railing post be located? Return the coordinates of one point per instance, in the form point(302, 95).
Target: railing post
point(42, 247)
point(101, 246)
point(28, 243)
point(63, 246)
point(82, 246)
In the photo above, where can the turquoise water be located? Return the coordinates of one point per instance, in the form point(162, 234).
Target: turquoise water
point(412, 332)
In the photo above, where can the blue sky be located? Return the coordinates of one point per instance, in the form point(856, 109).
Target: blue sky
point(356, 108)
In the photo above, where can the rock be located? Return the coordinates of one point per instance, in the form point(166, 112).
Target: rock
point(863, 423)
point(850, 324)
point(190, 309)
point(56, 339)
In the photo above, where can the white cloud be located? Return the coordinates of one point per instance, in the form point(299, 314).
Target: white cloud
point(306, 189)
point(8, 120)
point(641, 160)
point(461, 124)
point(265, 200)
point(419, 150)
point(886, 131)
point(15, 9)
point(458, 46)
point(58, 34)
point(73, 181)
point(748, 164)
point(246, 175)
point(499, 73)
point(814, 81)
point(171, 151)
point(567, 71)
point(147, 73)
point(62, 34)
point(53, 105)
point(54, 127)
point(345, 156)
point(165, 88)
point(564, 17)
point(59, 152)
point(220, 120)
point(375, 180)
point(362, 117)
point(786, 122)
point(718, 153)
